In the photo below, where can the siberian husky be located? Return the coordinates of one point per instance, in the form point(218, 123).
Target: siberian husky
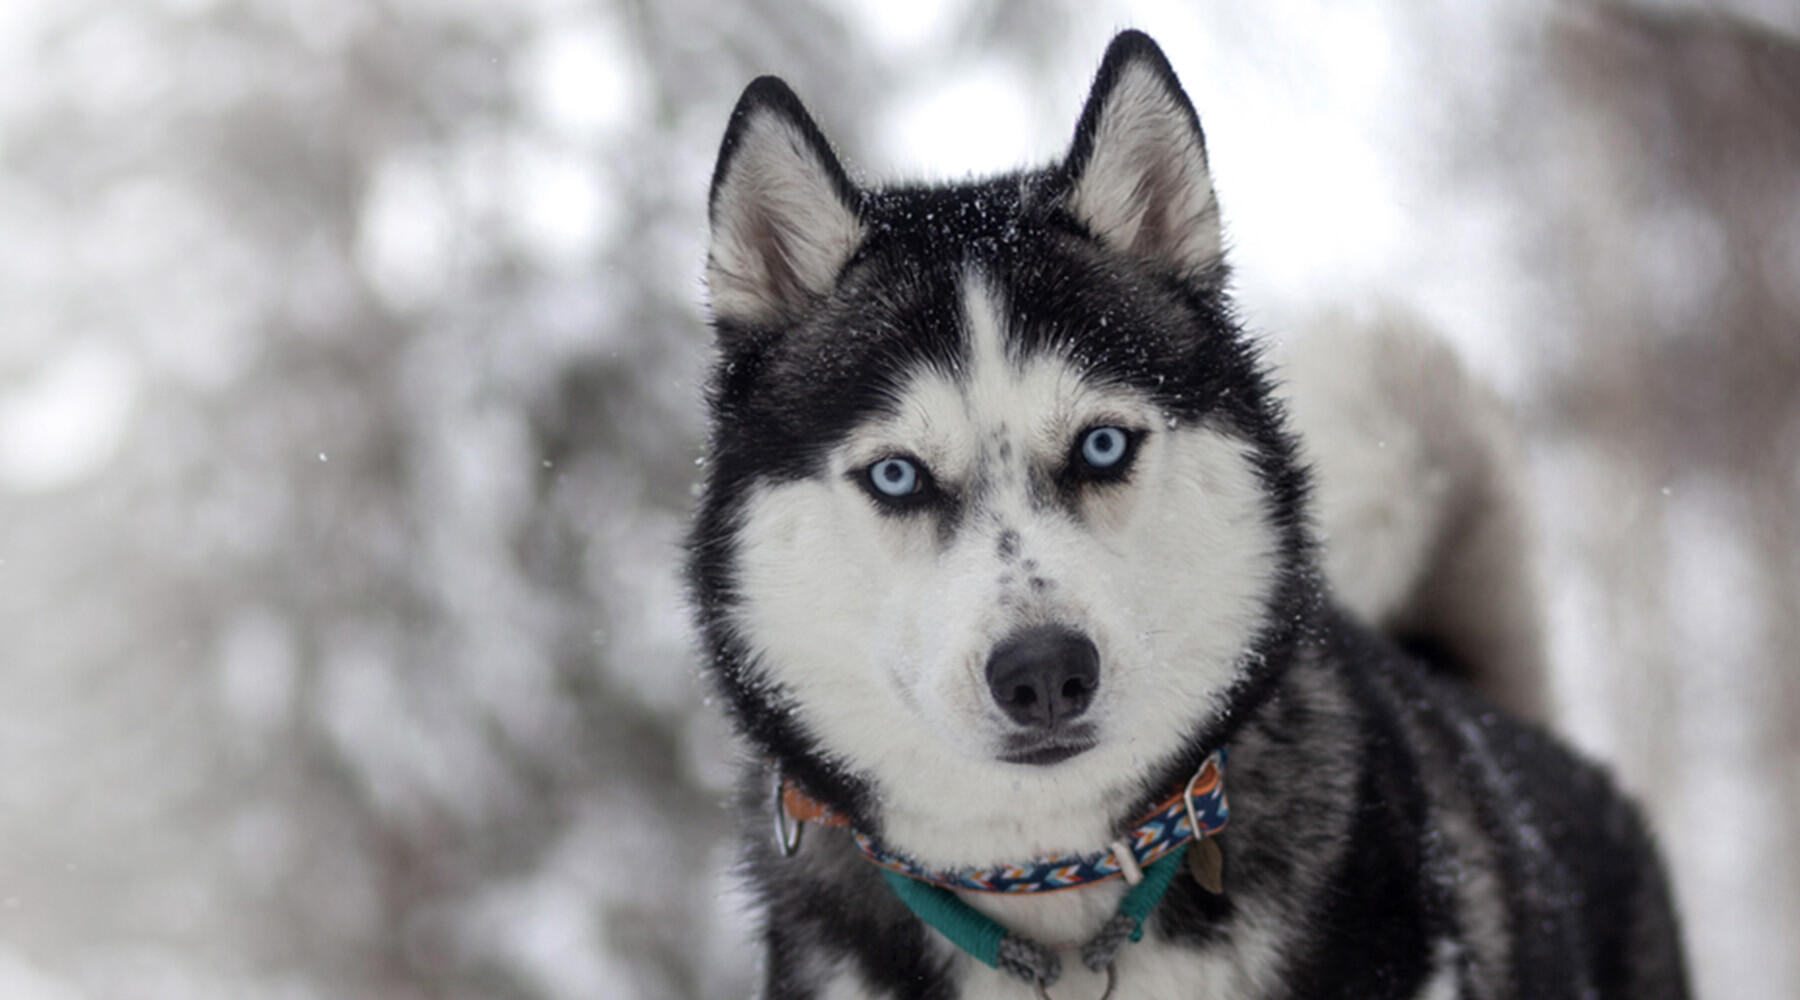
point(1005, 571)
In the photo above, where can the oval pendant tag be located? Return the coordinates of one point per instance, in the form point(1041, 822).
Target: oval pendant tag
point(1206, 862)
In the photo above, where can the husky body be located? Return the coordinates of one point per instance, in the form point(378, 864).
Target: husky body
point(1004, 534)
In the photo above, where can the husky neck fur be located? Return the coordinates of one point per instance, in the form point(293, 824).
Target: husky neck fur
point(1003, 533)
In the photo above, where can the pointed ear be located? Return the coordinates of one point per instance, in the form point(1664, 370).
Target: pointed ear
point(783, 212)
point(1138, 173)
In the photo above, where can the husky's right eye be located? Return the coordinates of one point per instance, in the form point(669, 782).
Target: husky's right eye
point(894, 478)
point(1102, 455)
point(1104, 447)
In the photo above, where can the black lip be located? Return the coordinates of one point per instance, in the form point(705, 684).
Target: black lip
point(1044, 756)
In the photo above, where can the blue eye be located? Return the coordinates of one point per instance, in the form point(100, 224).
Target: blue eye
point(894, 477)
point(1104, 447)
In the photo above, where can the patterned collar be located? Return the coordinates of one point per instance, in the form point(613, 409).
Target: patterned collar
point(1201, 803)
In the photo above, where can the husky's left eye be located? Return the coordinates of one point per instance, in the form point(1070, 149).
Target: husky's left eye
point(894, 477)
point(1105, 448)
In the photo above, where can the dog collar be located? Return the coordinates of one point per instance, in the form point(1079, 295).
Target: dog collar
point(1199, 807)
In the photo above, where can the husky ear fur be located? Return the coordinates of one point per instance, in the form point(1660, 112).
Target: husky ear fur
point(783, 212)
point(1138, 173)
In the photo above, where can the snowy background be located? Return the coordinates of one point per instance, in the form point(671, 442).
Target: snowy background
point(349, 412)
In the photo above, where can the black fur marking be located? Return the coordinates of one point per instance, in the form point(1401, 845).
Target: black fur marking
point(1382, 910)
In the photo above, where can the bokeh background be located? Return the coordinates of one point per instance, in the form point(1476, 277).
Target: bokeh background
point(350, 357)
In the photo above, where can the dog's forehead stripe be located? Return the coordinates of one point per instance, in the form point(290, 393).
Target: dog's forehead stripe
point(1010, 397)
point(983, 315)
point(1009, 401)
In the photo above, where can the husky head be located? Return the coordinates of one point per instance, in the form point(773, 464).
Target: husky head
point(1001, 529)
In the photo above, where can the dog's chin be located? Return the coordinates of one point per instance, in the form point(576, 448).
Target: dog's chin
point(1046, 751)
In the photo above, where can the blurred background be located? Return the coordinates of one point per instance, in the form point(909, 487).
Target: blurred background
point(350, 358)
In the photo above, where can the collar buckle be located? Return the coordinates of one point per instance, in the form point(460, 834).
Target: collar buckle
point(787, 839)
point(1209, 769)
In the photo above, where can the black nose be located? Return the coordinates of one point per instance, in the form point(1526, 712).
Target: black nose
point(1044, 675)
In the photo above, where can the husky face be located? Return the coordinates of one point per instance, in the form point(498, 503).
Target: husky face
point(997, 501)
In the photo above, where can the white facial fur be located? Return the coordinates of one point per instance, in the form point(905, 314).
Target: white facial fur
point(879, 627)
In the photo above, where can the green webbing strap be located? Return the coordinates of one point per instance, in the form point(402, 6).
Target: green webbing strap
point(1143, 897)
point(980, 935)
point(972, 931)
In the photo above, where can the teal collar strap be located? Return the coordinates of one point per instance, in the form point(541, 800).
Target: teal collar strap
point(1148, 859)
point(987, 941)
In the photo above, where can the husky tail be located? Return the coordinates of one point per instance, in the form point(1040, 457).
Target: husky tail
point(1422, 505)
